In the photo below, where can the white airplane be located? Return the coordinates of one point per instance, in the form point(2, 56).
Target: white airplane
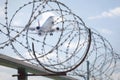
point(47, 27)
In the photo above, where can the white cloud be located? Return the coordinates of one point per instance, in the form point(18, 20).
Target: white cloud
point(106, 31)
point(106, 14)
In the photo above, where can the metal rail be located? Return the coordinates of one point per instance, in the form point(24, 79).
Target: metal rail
point(26, 67)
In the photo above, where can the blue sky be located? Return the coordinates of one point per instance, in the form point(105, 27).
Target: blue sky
point(102, 15)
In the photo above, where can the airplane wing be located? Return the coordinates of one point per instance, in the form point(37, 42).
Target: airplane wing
point(48, 23)
point(30, 28)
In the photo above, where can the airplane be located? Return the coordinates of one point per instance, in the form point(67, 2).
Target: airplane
point(47, 27)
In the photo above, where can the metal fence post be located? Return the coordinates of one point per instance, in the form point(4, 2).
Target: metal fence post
point(22, 74)
point(88, 71)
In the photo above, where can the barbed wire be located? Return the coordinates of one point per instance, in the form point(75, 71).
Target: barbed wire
point(102, 59)
point(66, 50)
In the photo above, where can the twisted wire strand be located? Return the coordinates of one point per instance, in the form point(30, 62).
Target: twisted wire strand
point(103, 64)
point(69, 52)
